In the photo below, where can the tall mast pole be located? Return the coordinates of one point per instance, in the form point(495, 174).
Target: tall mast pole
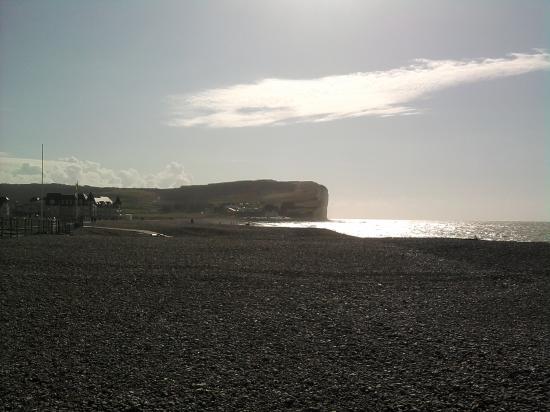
point(42, 188)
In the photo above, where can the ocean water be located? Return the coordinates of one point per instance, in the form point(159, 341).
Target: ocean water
point(517, 231)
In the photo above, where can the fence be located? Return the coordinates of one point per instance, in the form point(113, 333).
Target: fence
point(22, 226)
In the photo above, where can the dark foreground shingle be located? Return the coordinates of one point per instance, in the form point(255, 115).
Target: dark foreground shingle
point(283, 321)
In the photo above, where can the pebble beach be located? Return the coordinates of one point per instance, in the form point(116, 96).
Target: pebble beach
point(248, 318)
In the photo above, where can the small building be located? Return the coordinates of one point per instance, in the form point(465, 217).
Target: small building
point(106, 208)
point(103, 201)
point(80, 206)
point(75, 207)
point(29, 209)
point(4, 206)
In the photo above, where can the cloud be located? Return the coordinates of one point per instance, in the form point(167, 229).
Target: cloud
point(27, 169)
point(173, 175)
point(377, 93)
point(70, 170)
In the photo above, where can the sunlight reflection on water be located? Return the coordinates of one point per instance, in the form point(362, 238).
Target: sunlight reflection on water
point(518, 231)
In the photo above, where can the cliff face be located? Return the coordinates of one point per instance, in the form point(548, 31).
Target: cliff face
point(299, 200)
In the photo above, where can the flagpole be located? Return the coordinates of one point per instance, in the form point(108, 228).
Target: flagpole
point(42, 190)
point(76, 203)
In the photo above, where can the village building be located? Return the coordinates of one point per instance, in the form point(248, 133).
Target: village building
point(29, 209)
point(75, 206)
point(4, 206)
point(105, 208)
point(81, 206)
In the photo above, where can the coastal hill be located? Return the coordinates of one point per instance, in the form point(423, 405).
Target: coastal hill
point(300, 200)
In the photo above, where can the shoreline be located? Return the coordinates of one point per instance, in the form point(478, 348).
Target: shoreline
point(177, 227)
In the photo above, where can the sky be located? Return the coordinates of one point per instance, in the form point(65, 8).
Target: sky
point(431, 109)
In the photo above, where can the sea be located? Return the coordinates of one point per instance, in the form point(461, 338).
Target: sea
point(483, 230)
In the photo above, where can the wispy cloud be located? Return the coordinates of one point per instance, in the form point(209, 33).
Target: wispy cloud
point(70, 170)
point(378, 93)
